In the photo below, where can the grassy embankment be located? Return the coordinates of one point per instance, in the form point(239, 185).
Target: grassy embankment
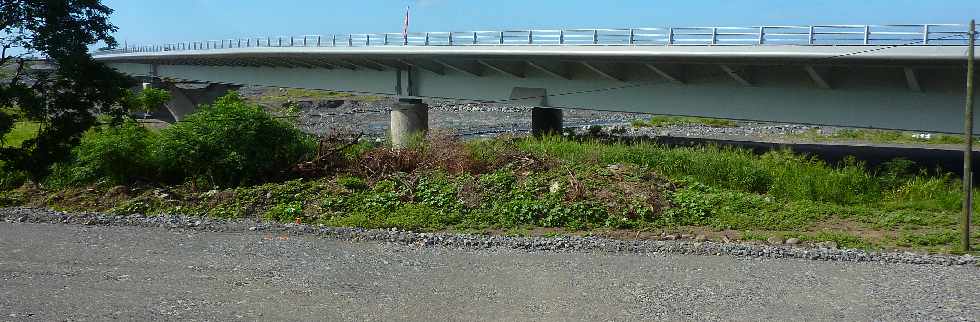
point(880, 136)
point(234, 160)
point(560, 186)
point(20, 133)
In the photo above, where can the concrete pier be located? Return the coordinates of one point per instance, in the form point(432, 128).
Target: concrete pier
point(409, 120)
point(546, 120)
point(186, 97)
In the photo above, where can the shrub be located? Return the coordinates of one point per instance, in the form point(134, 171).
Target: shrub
point(10, 178)
point(119, 154)
point(230, 143)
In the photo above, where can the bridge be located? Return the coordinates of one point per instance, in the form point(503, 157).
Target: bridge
point(906, 77)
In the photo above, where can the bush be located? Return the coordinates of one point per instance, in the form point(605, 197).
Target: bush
point(230, 143)
point(10, 179)
point(120, 154)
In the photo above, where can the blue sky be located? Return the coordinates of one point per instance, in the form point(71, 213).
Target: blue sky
point(154, 21)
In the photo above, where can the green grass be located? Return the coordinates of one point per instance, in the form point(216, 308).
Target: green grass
point(597, 185)
point(664, 120)
point(20, 133)
point(880, 136)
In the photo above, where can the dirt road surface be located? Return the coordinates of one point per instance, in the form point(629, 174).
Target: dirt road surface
point(72, 272)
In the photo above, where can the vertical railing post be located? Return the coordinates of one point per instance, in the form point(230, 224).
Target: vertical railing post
point(334, 42)
point(530, 37)
point(595, 36)
point(810, 40)
point(502, 37)
point(475, 38)
point(561, 37)
point(350, 40)
point(867, 35)
point(762, 35)
point(386, 40)
point(319, 40)
point(632, 36)
point(367, 40)
point(450, 38)
point(670, 36)
point(925, 34)
point(426, 39)
point(714, 35)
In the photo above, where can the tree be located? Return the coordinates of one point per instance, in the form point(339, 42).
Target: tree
point(65, 98)
point(153, 98)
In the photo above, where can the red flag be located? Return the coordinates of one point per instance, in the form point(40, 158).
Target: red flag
point(405, 27)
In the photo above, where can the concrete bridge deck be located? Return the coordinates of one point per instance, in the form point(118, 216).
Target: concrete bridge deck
point(861, 76)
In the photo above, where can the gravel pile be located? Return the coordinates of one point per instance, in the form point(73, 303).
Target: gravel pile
point(576, 244)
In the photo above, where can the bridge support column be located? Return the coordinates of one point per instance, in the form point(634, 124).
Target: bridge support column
point(186, 97)
point(545, 120)
point(409, 120)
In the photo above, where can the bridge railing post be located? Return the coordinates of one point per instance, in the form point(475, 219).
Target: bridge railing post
point(762, 35)
point(867, 35)
point(530, 37)
point(810, 39)
point(714, 35)
point(426, 39)
point(595, 36)
point(561, 37)
point(476, 38)
point(670, 36)
point(925, 34)
point(502, 37)
point(632, 36)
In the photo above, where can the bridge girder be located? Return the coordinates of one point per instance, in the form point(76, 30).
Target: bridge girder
point(877, 93)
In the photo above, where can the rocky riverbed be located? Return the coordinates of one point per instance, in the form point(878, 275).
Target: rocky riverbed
point(321, 113)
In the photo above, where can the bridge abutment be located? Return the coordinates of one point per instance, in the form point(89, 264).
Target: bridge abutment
point(409, 121)
point(186, 97)
point(546, 120)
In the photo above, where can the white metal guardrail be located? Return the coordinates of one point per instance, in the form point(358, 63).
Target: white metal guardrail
point(817, 35)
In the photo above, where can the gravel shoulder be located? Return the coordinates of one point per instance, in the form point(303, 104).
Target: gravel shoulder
point(170, 268)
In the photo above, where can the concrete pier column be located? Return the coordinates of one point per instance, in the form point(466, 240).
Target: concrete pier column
point(546, 120)
point(409, 120)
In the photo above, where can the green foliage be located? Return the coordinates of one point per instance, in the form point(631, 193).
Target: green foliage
point(934, 238)
point(18, 133)
point(880, 136)
point(10, 179)
point(781, 174)
point(64, 98)
point(352, 183)
point(843, 239)
point(285, 211)
point(150, 99)
point(119, 154)
point(230, 143)
point(664, 120)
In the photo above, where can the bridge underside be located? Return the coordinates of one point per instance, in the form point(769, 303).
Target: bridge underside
point(906, 94)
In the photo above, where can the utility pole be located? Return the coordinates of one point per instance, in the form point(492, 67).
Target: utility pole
point(968, 153)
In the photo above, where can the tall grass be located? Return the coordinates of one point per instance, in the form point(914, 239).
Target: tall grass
point(781, 174)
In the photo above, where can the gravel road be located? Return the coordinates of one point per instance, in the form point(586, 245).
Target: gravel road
point(75, 272)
